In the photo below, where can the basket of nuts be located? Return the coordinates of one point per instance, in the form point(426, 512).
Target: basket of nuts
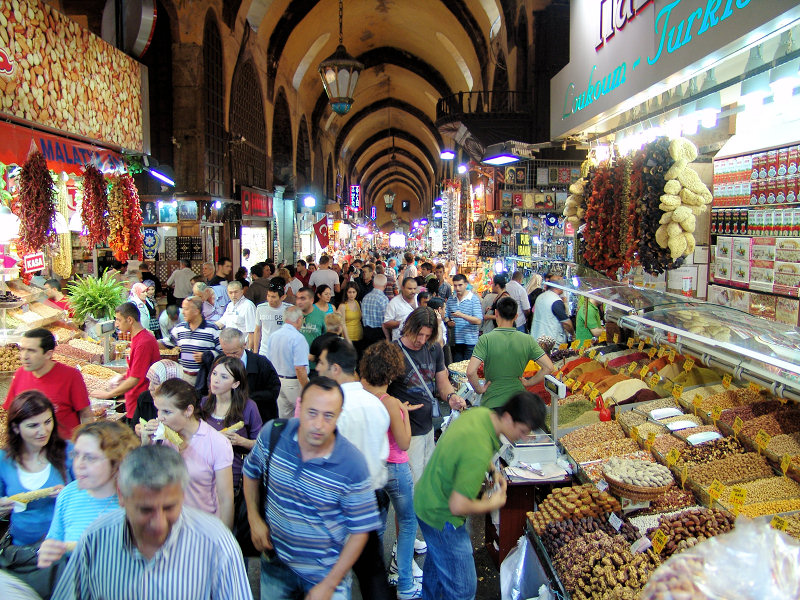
point(637, 479)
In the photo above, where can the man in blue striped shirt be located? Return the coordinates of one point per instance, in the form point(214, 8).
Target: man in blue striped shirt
point(193, 337)
point(319, 507)
point(464, 312)
point(155, 547)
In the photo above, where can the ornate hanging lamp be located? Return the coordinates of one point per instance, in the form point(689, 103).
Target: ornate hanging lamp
point(339, 73)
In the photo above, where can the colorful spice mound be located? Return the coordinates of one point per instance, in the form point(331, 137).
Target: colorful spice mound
point(36, 207)
point(94, 207)
point(125, 219)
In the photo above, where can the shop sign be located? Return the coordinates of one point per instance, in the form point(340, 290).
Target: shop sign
point(523, 244)
point(619, 49)
point(355, 198)
point(150, 243)
point(373, 213)
point(55, 74)
point(33, 262)
point(255, 203)
point(61, 154)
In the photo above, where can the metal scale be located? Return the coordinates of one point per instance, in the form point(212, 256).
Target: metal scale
point(104, 330)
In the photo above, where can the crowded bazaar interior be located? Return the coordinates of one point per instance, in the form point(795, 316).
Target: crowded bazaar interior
point(441, 299)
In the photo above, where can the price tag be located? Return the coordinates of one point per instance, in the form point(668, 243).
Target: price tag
point(652, 352)
point(641, 346)
point(654, 379)
point(715, 490)
point(671, 356)
point(677, 391)
point(688, 364)
point(575, 345)
point(586, 388)
point(737, 425)
point(640, 545)
point(738, 496)
point(563, 346)
point(569, 382)
point(614, 521)
point(786, 460)
point(635, 434)
point(648, 341)
point(631, 342)
point(602, 485)
point(587, 344)
point(632, 367)
point(593, 353)
point(643, 372)
point(651, 439)
point(754, 387)
point(716, 413)
point(698, 404)
point(778, 523)
point(762, 440)
point(684, 475)
point(661, 352)
point(616, 338)
point(594, 394)
point(602, 337)
point(660, 540)
point(726, 381)
point(672, 457)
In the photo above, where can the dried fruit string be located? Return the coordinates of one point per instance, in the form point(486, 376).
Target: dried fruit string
point(124, 218)
point(94, 206)
point(36, 206)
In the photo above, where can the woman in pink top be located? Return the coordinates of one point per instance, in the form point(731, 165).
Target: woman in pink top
point(382, 363)
point(207, 453)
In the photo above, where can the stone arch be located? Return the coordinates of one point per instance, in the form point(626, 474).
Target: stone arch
point(303, 156)
point(214, 107)
point(282, 147)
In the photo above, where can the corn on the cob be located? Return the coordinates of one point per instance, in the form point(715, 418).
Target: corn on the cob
point(26, 497)
point(235, 427)
point(172, 436)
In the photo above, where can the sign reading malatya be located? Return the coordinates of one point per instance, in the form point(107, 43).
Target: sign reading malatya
point(621, 48)
point(55, 74)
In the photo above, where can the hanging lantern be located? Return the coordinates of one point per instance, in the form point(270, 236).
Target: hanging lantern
point(339, 73)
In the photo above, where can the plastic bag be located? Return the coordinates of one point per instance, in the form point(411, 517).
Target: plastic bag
point(511, 570)
point(752, 562)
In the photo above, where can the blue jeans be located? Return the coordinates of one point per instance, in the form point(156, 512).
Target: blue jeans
point(462, 352)
point(279, 582)
point(523, 328)
point(449, 570)
point(400, 488)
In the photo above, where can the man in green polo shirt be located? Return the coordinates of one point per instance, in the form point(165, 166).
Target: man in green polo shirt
point(313, 318)
point(505, 352)
point(450, 490)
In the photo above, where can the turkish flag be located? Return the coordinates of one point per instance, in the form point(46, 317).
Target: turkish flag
point(321, 229)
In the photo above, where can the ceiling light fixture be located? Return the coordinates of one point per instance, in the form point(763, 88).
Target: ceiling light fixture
point(447, 154)
point(710, 105)
point(784, 78)
point(163, 173)
point(499, 154)
point(756, 88)
point(339, 73)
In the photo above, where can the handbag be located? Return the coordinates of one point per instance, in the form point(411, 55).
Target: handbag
point(434, 404)
point(21, 561)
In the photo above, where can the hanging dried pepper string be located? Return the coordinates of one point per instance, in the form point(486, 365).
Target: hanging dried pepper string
point(124, 219)
point(635, 209)
point(94, 206)
point(623, 206)
point(36, 206)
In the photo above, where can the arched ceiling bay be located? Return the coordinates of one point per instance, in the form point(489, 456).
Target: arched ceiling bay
point(399, 121)
point(383, 181)
point(399, 162)
point(378, 151)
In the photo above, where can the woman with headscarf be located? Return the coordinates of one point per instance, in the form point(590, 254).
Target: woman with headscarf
point(138, 296)
point(150, 302)
point(157, 374)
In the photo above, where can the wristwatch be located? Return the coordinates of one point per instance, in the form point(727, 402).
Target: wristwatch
point(449, 395)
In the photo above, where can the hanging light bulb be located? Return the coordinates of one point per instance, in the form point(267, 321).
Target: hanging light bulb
point(686, 113)
point(784, 78)
point(710, 105)
point(754, 89)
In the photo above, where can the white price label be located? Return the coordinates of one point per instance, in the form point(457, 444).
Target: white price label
point(602, 485)
point(615, 521)
point(640, 545)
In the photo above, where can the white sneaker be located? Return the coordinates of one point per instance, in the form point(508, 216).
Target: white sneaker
point(411, 594)
point(394, 576)
point(420, 547)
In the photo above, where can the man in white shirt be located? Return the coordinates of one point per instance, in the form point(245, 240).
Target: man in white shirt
point(240, 313)
point(181, 279)
point(409, 270)
point(324, 275)
point(287, 350)
point(269, 315)
point(400, 307)
point(167, 320)
point(517, 291)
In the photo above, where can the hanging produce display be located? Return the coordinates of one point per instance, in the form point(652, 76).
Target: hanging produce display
point(685, 197)
point(62, 261)
point(36, 204)
point(94, 206)
point(600, 243)
point(635, 210)
point(575, 206)
point(124, 218)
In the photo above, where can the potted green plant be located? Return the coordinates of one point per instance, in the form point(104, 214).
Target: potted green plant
point(94, 299)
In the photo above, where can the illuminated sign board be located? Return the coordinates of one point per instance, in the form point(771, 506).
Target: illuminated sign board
point(355, 198)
